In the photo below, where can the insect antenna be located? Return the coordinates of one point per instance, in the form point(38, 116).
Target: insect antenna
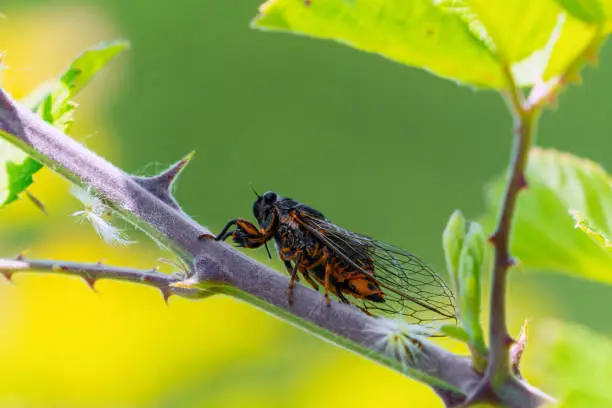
point(258, 196)
point(268, 250)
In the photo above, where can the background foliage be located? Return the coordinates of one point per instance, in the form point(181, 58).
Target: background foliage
point(381, 149)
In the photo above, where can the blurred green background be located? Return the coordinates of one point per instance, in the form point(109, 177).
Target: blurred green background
point(382, 149)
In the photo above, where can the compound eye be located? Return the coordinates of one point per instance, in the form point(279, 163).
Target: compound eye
point(270, 197)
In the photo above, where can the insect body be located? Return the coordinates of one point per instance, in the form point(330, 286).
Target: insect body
point(377, 277)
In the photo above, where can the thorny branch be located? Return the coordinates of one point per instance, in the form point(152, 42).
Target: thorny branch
point(501, 371)
point(92, 272)
point(498, 369)
point(149, 205)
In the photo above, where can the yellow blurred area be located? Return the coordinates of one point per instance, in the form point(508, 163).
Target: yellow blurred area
point(29, 41)
point(63, 344)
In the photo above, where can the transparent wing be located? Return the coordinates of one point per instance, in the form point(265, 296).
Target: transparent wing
point(412, 289)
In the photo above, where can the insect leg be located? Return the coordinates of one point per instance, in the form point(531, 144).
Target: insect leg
point(290, 268)
point(224, 234)
point(309, 279)
point(246, 234)
point(339, 294)
point(315, 264)
point(294, 277)
point(328, 273)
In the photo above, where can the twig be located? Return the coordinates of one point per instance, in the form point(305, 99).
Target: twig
point(498, 368)
point(92, 272)
point(229, 271)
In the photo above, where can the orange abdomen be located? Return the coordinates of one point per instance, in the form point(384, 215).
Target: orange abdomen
point(350, 280)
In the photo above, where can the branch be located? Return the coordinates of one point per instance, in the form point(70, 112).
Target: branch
point(498, 369)
point(222, 269)
point(91, 273)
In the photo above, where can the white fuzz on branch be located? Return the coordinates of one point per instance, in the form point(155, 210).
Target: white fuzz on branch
point(99, 215)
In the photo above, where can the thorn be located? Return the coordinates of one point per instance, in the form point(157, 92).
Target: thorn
point(21, 256)
point(179, 166)
point(155, 268)
point(166, 293)
point(167, 177)
point(160, 184)
point(91, 282)
point(8, 276)
point(493, 237)
point(521, 182)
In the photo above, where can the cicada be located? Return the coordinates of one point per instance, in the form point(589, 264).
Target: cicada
point(377, 277)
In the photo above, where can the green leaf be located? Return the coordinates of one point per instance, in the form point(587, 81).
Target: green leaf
point(538, 40)
point(575, 43)
point(563, 221)
point(55, 107)
point(452, 243)
point(464, 253)
point(471, 263)
point(53, 104)
point(517, 27)
point(417, 33)
point(590, 11)
point(580, 359)
point(16, 172)
point(466, 40)
point(456, 333)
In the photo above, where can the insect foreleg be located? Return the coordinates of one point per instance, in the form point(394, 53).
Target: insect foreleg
point(246, 234)
point(224, 234)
